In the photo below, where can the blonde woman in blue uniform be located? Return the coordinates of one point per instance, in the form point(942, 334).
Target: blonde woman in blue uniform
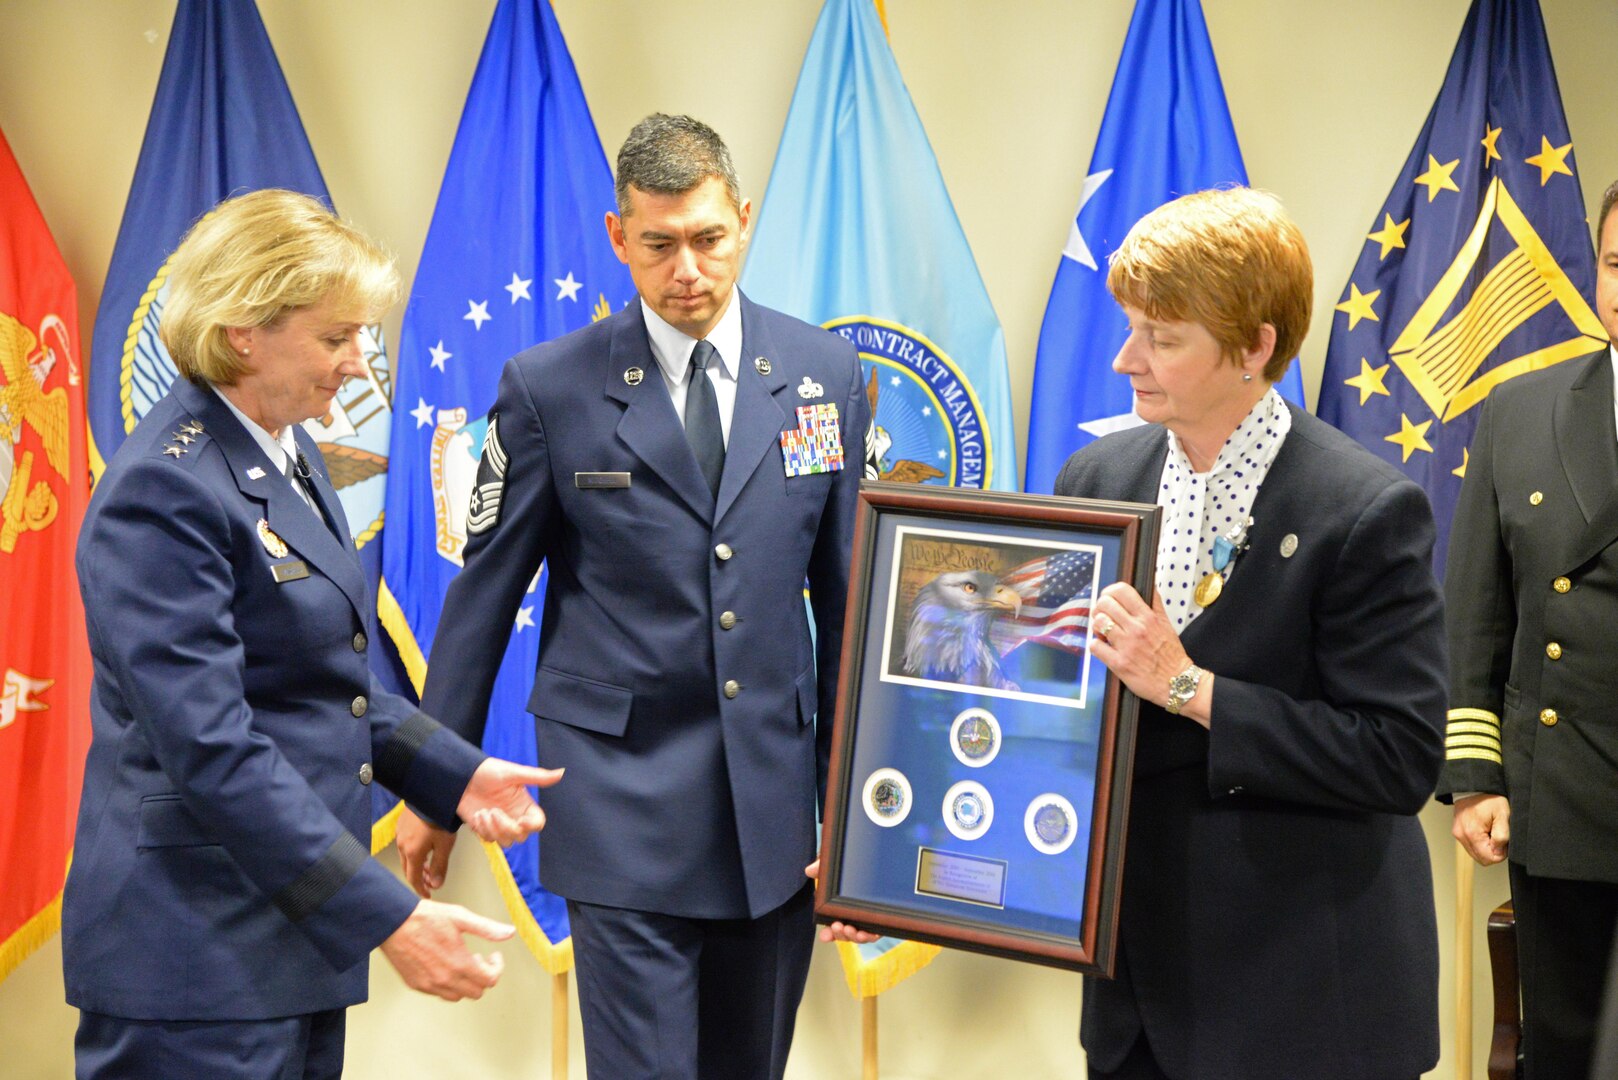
point(223, 902)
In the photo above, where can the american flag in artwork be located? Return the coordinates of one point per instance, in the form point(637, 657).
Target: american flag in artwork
point(1056, 592)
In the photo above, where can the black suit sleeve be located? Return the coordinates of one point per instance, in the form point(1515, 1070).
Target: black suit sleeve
point(1371, 740)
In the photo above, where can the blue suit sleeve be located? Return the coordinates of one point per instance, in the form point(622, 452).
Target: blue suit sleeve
point(498, 563)
point(828, 567)
point(162, 619)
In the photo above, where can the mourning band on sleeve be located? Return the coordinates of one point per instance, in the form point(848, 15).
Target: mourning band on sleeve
point(320, 882)
point(393, 760)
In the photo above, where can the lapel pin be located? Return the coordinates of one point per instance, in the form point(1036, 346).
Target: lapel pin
point(762, 364)
point(633, 376)
point(255, 473)
point(809, 389)
point(273, 544)
point(1289, 544)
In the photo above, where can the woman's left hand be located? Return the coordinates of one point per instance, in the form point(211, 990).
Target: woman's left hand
point(1138, 644)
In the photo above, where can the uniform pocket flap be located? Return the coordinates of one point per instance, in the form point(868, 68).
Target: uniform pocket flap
point(580, 702)
point(165, 822)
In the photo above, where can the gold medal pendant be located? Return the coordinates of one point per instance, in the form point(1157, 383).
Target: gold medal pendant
point(1208, 589)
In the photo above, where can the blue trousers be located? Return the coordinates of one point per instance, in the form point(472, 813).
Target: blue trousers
point(308, 1047)
point(690, 999)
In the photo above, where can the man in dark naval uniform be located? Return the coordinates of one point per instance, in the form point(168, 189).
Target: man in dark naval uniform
point(1532, 740)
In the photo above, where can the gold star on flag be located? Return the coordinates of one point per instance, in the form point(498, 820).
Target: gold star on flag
point(1466, 459)
point(1391, 235)
point(1369, 381)
point(1411, 437)
point(1438, 177)
point(1550, 160)
point(1491, 136)
point(1358, 305)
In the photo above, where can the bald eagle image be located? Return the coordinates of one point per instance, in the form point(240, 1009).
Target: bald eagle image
point(948, 638)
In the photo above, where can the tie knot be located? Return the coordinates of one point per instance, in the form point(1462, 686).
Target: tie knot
point(703, 355)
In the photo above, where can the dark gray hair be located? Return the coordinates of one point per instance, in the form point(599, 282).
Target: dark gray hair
point(671, 155)
point(1608, 200)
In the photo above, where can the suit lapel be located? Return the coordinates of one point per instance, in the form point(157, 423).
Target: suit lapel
point(649, 426)
point(756, 422)
point(287, 515)
point(1587, 445)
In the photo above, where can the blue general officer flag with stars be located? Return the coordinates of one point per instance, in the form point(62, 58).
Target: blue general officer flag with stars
point(1166, 132)
point(223, 123)
point(1477, 267)
point(857, 234)
point(517, 253)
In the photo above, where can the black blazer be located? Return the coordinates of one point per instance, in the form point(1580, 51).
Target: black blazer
point(1539, 510)
point(1277, 916)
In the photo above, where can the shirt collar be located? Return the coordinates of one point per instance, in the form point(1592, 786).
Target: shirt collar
point(279, 450)
point(672, 348)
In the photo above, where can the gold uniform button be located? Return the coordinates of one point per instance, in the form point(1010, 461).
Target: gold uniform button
point(724, 551)
point(1561, 584)
point(359, 642)
point(1554, 651)
point(1535, 499)
point(732, 688)
point(1548, 717)
point(359, 706)
point(365, 773)
point(727, 620)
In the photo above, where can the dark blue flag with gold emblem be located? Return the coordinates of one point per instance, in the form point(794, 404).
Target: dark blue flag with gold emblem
point(1477, 269)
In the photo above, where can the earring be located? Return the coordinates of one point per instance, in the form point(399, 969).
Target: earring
point(249, 352)
point(1247, 377)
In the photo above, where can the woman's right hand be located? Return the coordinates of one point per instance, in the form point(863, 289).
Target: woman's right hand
point(424, 852)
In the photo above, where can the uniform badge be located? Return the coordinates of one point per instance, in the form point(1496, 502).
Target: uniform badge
point(761, 364)
point(490, 487)
point(633, 376)
point(809, 389)
point(255, 473)
point(816, 444)
point(273, 544)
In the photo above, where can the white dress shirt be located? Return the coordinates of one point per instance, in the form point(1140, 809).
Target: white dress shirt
point(672, 350)
point(280, 449)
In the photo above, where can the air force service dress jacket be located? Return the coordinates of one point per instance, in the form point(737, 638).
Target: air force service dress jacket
point(221, 866)
point(1277, 916)
point(678, 682)
point(1532, 589)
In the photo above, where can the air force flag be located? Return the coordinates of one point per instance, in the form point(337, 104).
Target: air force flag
point(1166, 133)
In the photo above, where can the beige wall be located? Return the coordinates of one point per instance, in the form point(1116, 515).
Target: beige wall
point(1327, 98)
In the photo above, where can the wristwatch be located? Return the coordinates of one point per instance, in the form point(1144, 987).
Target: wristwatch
point(1182, 688)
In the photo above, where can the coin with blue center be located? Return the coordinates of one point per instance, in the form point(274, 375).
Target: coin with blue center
point(968, 810)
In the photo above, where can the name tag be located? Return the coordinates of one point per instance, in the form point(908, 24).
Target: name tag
point(601, 479)
point(291, 570)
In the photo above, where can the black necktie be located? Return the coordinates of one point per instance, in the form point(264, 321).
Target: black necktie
point(702, 428)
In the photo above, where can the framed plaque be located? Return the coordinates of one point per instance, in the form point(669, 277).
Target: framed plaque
point(980, 761)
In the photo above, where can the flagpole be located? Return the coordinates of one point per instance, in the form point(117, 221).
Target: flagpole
point(1465, 870)
point(868, 1037)
point(559, 1026)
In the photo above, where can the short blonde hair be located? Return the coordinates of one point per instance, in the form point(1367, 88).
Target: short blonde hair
point(253, 259)
point(1228, 258)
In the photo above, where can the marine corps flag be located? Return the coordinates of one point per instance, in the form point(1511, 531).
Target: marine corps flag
point(506, 265)
point(223, 123)
point(44, 656)
point(1478, 267)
